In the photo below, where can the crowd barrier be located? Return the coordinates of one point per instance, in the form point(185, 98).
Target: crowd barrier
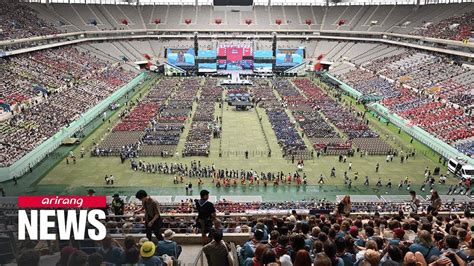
point(416, 132)
point(28, 161)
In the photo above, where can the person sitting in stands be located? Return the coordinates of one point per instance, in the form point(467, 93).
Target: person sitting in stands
point(216, 251)
point(111, 250)
point(147, 255)
point(29, 257)
point(131, 253)
point(248, 249)
point(168, 246)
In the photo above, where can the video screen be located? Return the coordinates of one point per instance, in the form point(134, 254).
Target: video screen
point(233, 2)
point(262, 67)
point(207, 53)
point(207, 67)
point(263, 54)
point(181, 57)
point(221, 64)
point(289, 57)
point(235, 56)
point(239, 65)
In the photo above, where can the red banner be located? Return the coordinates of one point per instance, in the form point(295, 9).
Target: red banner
point(234, 54)
point(61, 202)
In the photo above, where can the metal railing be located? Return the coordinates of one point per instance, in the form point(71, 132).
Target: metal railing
point(199, 261)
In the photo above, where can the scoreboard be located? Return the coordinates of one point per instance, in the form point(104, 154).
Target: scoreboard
point(233, 2)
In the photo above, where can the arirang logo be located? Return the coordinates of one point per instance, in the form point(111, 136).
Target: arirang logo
point(68, 220)
point(39, 222)
point(74, 201)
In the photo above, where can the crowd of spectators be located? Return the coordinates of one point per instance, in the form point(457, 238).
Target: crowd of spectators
point(263, 94)
point(18, 20)
point(455, 28)
point(455, 92)
point(110, 251)
point(431, 91)
point(126, 137)
point(369, 84)
point(467, 147)
point(443, 120)
point(163, 137)
point(378, 240)
point(310, 232)
point(327, 235)
point(288, 137)
point(138, 118)
point(164, 130)
point(432, 74)
point(158, 119)
point(204, 125)
point(345, 119)
point(314, 125)
point(67, 83)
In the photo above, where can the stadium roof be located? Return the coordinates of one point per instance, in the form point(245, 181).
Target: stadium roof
point(256, 2)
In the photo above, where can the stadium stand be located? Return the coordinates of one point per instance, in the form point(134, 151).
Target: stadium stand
point(452, 24)
point(56, 94)
point(51, 88)
point(285, 230)
point(453, 28)
point(24, 23)
point(429, 90)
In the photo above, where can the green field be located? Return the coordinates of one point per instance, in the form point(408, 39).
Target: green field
point(241, 132)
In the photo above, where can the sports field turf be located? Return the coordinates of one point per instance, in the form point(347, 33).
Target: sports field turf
point(241, 132)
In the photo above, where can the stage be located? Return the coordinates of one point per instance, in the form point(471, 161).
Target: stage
point(235, 80)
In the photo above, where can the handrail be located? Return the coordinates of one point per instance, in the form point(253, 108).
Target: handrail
point(233, 250)
point(199, 258)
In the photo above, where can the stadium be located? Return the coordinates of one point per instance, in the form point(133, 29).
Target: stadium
point(346, 125)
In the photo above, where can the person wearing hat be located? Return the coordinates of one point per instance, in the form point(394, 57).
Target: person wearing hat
point(118, 205)
point(206, 214)
point(168, 246)
point(398, 234)
point(153, 220)
point(147, 255)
